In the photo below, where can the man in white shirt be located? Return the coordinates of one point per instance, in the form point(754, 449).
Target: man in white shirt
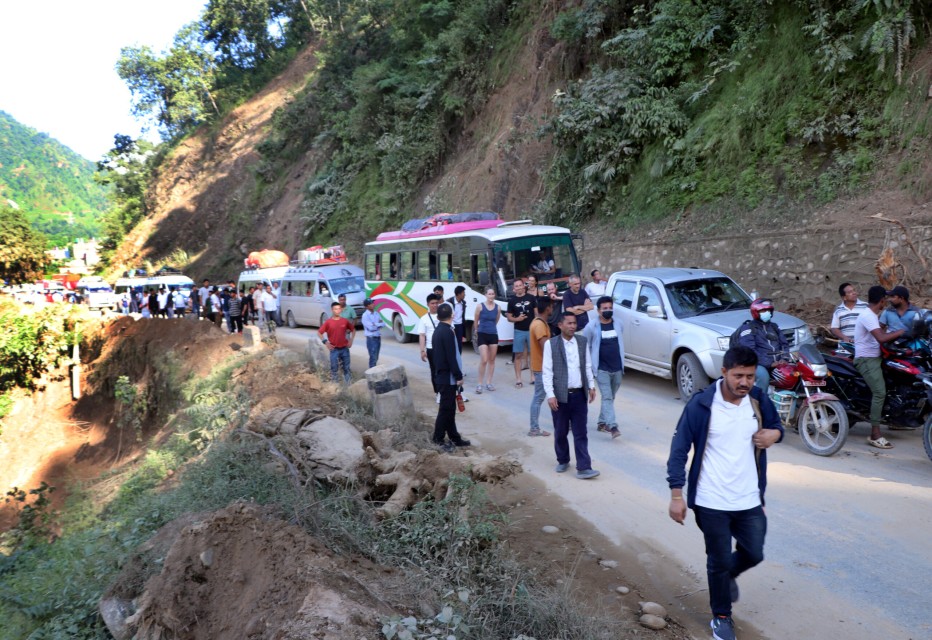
point(202, 294)
point(269, 305)
point(868, 336)
point(729, 425)
point(596, 288)
point(163, 302)
point(847, 312)
point(545, 265)
point(425, 335)
point(277, 297)
point(568, 381)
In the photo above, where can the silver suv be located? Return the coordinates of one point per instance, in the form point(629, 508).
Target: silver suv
point(681, 320)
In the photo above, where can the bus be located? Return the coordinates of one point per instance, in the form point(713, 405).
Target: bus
point(137, 281)
point(403, 267)
point(97, 294)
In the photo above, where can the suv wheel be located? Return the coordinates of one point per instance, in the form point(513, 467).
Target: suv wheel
point(690, 377)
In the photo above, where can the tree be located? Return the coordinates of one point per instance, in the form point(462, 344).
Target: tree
point(173, 88)
point(240, 29)
point(126, 170)
point(22, 250)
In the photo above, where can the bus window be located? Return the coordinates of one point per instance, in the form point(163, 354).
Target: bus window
point(425, 266)
point(389, 268)
point(406, 265)
point(446, 266)
point(288, 290)
point(372, 266)
point(479, 264)
point(324, 289)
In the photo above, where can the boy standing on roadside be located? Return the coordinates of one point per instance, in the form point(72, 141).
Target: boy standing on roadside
point(338, 333)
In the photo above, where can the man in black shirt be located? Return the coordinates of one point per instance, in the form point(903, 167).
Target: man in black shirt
point(576, 299)
point(520, 312)
point(448, 377)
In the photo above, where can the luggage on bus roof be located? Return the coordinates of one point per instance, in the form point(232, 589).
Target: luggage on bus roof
point(416, 224)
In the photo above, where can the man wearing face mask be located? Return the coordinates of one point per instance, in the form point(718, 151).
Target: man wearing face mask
point(764, 337)
point(607, 351)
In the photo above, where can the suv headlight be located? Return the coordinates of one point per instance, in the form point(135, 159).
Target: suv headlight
point(724, 343)
point(803, 335)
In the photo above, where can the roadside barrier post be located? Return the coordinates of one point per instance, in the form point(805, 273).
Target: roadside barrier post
point(390, 393)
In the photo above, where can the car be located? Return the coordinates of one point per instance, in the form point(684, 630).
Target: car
point(678, 322)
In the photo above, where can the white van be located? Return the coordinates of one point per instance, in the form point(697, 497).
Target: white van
point(97, 293)
point(309, 290)
point(253, 277)
point(140, 283)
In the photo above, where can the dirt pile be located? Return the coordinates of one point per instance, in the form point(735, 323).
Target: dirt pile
point(242, 572)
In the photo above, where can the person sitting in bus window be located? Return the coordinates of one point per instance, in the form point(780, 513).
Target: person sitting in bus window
point(544, 265)
point(324, 291)
point(392, 268)
point(308, 290)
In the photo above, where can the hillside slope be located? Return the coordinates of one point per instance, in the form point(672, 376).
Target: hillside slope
point(522, 147)
point(49, 182)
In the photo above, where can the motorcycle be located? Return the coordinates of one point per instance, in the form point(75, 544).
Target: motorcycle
point(796, 389)
point(907, 373)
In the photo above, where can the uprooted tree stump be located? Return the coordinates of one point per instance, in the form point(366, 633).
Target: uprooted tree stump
point(333, 450)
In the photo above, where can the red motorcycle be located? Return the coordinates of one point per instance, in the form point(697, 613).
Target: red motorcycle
point(796, 390)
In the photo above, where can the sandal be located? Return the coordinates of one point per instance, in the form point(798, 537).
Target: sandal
point(880, 443)
point(518, 385)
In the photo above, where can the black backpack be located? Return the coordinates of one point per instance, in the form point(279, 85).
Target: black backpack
point(733, 340)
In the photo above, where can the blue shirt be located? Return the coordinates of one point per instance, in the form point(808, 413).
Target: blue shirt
point(895, 322)
point(372, 324)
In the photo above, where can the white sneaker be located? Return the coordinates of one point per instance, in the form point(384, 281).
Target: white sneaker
point(438, 397)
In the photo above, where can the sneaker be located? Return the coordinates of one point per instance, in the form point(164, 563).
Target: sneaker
point(561, 468)
point(588, 474)
point(538, 432)
point(445, 446)
point(615, 433)
point(602, 427)
point(490, 387)
point(723, 628)
point(438, 397)
point(478, 389)
point(462, 442)
point(735, 592)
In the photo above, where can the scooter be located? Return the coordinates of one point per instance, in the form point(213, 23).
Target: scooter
point(796, 389)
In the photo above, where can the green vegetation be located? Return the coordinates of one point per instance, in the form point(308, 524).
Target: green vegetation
point(22, 248)
point(52, 185)
point(693, 103)
point(32, 343)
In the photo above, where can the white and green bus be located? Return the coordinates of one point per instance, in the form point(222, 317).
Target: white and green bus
point(403, 267)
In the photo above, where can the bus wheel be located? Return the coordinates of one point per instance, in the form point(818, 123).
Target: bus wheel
point(323, 319)
point(398, 328)
point(291, 323)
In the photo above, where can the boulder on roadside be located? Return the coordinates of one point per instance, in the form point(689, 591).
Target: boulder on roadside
point(653, 608)
point(334, 449)
point(652, 622)
point(318, 356)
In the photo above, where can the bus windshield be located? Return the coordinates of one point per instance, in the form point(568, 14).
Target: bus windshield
point(549, 257)
point(353, 284)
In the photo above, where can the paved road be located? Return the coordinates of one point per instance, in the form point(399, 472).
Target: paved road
point(847, 548)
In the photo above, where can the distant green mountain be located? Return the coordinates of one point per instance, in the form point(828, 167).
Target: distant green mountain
point(49, 182)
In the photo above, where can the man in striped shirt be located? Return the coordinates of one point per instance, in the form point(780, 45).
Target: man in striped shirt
point(846, 314)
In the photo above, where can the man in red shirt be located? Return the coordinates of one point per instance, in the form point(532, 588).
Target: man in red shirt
point(338, 333)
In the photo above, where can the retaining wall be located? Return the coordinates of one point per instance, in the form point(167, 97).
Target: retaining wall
point(788, 266)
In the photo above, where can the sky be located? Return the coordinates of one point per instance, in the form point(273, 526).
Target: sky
point(58, 59)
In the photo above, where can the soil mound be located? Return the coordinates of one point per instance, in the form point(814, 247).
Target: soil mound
point(242, 572)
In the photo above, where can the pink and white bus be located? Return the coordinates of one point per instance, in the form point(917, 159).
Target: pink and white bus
point(403, 267)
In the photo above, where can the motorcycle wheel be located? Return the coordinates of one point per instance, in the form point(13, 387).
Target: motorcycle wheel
point(826, 435)
point(927, 436)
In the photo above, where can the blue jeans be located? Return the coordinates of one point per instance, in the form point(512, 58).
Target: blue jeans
point(748, 528)
point(608, 382)
point(762, 378)
point(539, 396)
point(572, 415)
point(340, 356)
point(373, 346)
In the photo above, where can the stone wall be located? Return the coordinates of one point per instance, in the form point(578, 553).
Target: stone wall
point(788, 266)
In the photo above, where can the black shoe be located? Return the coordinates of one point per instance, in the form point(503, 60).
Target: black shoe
point(462, 443)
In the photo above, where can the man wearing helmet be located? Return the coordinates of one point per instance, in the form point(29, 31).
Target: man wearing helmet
point(764, 337)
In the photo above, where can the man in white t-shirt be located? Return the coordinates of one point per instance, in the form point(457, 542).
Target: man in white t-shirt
point(847, 312)
point(729, 425)
point(868, 336)
point(269, 306)
point(596, 288)
point(425, 335)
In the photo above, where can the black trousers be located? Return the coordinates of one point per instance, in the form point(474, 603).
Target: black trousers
point(433, 371)
point(445, 425)
point(460, 331)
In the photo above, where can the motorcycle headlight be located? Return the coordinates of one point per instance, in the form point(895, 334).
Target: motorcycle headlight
point(803, 335)
point(724, 343)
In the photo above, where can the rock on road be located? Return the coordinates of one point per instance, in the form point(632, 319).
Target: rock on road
point(847, 551)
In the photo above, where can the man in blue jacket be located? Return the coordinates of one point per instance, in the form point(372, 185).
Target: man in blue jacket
point(729, 426)
point(607, 350)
